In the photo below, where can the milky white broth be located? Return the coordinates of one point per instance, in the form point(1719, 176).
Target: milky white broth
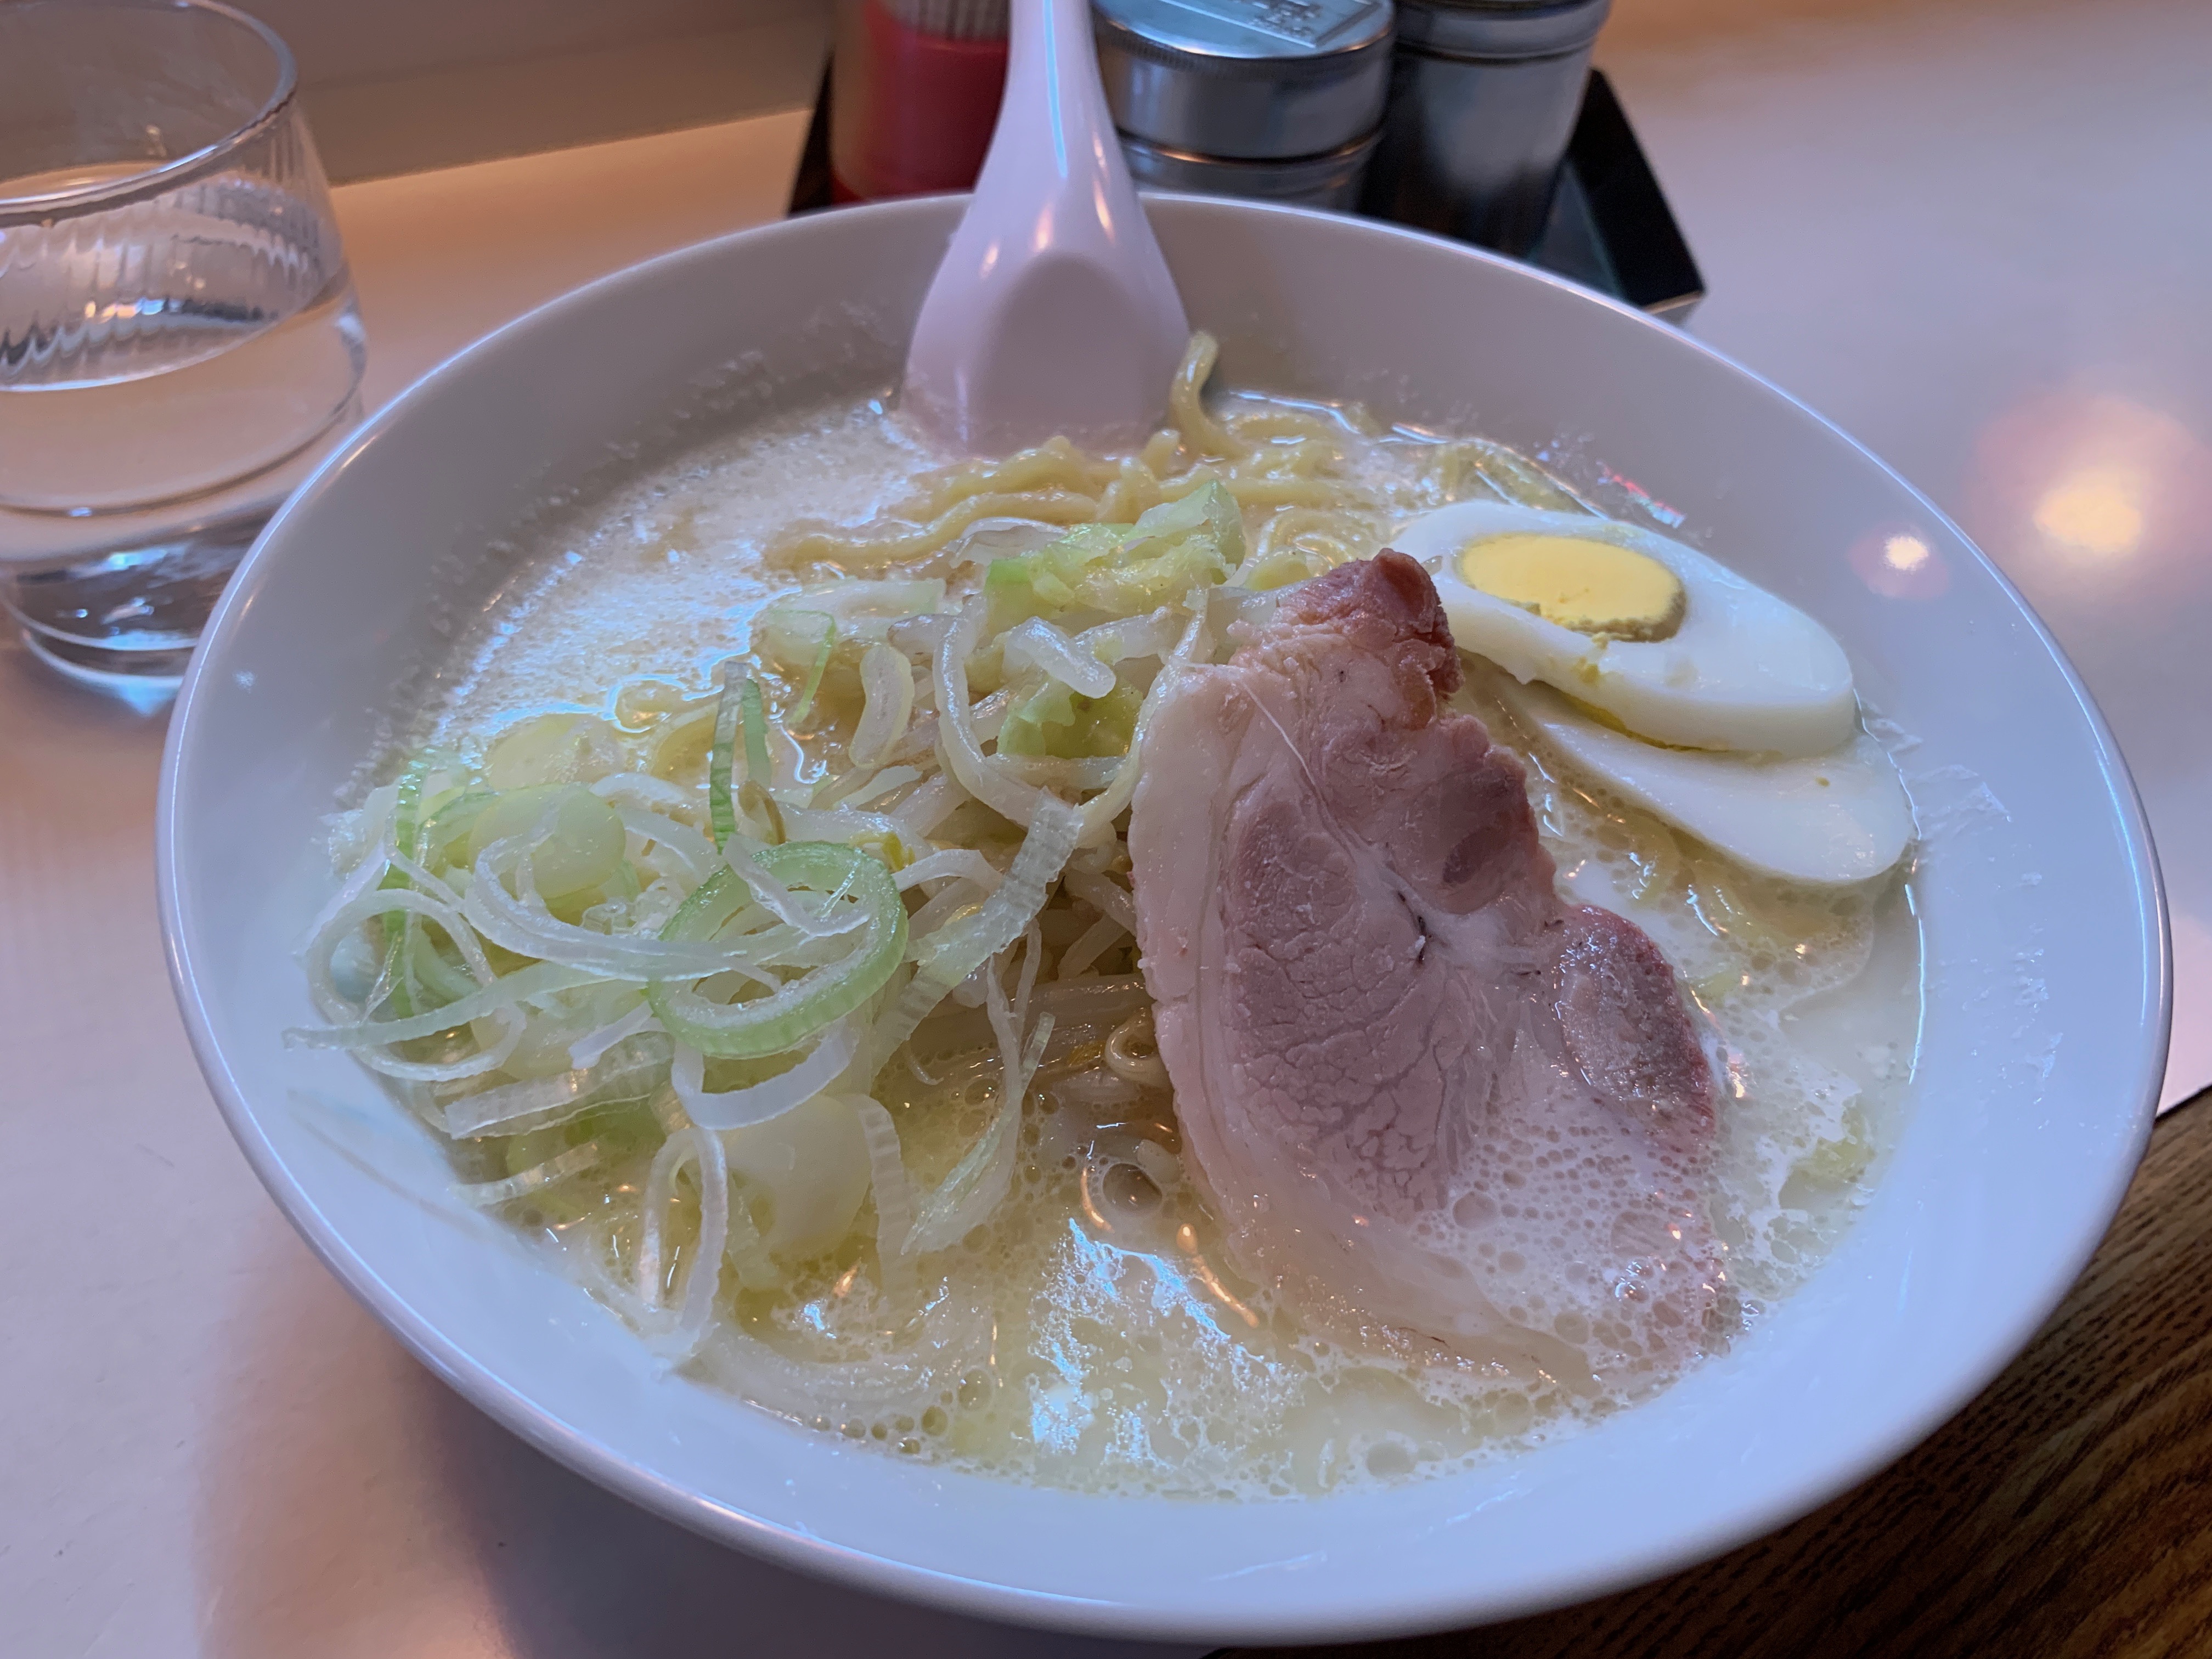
point(1093, 1336)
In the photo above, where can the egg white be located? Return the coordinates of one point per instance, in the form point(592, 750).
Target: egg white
point(1745, 671)
point(1825, 819)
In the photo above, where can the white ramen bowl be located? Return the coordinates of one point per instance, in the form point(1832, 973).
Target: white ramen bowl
point(2046, 1012)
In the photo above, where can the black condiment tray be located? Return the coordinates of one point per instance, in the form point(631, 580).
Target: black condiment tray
point(1610, 227)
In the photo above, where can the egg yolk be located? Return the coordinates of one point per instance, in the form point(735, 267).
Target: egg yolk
point(1593, 587)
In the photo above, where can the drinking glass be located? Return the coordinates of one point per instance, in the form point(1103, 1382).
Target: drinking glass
point(179, 339)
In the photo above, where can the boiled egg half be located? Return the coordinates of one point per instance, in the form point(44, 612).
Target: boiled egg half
point(1825, 819)
point(1686, 690)
point(1672, 645)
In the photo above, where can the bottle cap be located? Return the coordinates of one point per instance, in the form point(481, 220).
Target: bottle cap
point(1496, 30)
point(1246, 80)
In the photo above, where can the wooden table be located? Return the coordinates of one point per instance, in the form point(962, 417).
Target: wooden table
point(2065, 1514)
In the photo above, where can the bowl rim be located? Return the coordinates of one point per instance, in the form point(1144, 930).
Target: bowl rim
point(1355, 1616)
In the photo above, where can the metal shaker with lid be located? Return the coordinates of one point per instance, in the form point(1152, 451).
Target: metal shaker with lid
point(1278, 99)
point(1483, 98)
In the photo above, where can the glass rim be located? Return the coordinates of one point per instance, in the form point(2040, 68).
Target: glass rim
point(164, 175)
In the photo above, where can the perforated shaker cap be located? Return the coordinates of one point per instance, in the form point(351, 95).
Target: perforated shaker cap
point(1247, 79)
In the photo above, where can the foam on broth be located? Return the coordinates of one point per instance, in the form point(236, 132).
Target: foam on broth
point(1093, 1336)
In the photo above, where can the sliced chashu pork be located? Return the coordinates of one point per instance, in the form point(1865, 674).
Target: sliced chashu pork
point(1420, 1089)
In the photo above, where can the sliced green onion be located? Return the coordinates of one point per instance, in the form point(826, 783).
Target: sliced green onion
point(688, 1143)
point(407, 808)
point(820, 666)
point(740, 704)
point(887, 690)
point(450, 818)
point(967, 1196)
point(787, 1017)
point(575, 839)
point(725, 1109)
point(484, 1194)
point(756, 797)
point(894, 1194)
point(396, 976)
point(721, 812)
point(442, 979)
point(962, 945)
point(538, 979)
point(629, 1072)
point(757, 769)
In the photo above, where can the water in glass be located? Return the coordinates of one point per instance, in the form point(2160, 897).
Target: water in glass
point(178, 340)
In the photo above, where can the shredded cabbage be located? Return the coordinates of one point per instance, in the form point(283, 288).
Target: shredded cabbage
point(1112, 570)
point(1068, 725)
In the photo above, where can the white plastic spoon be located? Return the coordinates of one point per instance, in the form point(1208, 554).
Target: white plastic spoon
point(1053, 312)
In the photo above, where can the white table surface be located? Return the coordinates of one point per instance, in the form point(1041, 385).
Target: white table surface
point(1973, 234)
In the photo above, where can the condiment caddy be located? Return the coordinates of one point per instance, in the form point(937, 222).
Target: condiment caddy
point(1609, 225)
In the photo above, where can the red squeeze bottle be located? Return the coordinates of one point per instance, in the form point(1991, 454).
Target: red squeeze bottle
point(914, 89)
